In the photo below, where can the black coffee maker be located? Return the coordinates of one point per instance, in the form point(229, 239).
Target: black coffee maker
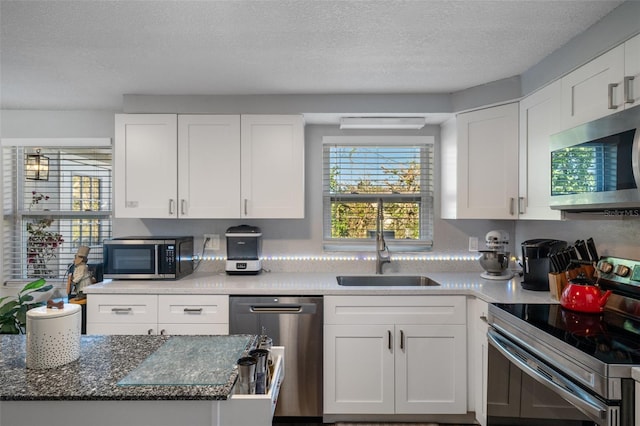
point(536, 264)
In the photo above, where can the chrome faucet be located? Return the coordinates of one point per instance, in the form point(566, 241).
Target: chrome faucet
point(382, 251)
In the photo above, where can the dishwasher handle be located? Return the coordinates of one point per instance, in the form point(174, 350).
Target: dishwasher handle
point(282, 308)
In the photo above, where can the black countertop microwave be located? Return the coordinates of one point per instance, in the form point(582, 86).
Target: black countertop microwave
point(148, 258)
point(596, 166)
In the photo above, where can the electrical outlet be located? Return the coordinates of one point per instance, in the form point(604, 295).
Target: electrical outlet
point(473, 243)
point(213, 243)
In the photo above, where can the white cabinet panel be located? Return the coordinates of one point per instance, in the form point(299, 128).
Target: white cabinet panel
point(632, 72)
point(209, 166)
point(359, 369)
point(272, 168)
point(145, 169)
point(387, 364)
point(480, 165)
point(539, 119)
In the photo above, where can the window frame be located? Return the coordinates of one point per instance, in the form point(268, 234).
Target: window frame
point(15, 214)
point(426, 197)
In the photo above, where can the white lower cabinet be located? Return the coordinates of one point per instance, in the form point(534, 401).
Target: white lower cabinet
point(478, 362)
point(157, 314)
point(395, 355)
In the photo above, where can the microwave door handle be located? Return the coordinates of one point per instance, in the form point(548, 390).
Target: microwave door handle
point(635, 158)
point(156, 256)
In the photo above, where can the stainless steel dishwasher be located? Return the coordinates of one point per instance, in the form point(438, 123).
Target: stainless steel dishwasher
point(296, 324)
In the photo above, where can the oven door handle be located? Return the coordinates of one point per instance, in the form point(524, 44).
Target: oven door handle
point(596, 410)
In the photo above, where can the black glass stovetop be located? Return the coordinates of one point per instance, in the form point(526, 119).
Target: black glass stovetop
point(611, 337)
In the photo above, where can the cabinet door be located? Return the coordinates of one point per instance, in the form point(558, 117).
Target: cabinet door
point(145, 166)
point(539, 119)
point(209, 166)
point(272, 166)
point(632, 69)
point(586, 94)
point(358, 369)
point(431, 369)
point(488, 163)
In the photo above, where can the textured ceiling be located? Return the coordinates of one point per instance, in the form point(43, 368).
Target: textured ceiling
point(86, 54)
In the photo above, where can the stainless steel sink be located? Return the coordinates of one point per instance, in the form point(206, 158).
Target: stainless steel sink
point(386, 280)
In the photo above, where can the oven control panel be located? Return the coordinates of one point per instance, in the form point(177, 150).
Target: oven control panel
point(623, 271)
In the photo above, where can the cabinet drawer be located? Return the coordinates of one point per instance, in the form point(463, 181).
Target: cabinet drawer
point(117, 309)
point(256, 410)
point(395, 310)
point(190, 309)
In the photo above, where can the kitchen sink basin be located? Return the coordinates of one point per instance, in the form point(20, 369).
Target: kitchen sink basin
point(386, 280)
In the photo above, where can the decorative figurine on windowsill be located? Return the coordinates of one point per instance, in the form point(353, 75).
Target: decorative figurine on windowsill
point(81, 275)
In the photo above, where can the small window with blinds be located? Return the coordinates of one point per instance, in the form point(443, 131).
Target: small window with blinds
point(55, 200)
point(360, 171)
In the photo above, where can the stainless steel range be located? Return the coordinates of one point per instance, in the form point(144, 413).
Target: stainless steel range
point(585, 358)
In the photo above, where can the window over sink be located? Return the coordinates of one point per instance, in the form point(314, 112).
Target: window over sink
point(358, 171)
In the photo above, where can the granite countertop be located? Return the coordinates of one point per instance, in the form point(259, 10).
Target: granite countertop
point(319, 283)
point(103, 362)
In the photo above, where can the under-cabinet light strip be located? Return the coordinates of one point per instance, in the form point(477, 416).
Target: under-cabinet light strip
point(431, 258)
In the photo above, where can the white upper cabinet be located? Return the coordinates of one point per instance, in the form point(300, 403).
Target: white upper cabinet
point(145, 166)
point(632, 72)
point(539, 119)
point(272, 166)
point(480, 164)
point(209, 166)
point(603, 86)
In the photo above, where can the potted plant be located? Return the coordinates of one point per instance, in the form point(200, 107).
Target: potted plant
point(13, 309)
point(42, 243)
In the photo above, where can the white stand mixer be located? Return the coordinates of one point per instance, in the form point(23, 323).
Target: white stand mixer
point(495, 260)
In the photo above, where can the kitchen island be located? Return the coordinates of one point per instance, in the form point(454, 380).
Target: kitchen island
point(92, 389)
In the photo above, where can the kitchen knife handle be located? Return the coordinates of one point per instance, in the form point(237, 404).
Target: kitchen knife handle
point(628, 89)
point(610, 95)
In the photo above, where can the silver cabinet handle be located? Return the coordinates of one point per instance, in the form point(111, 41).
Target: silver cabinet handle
point(402, 339)
point(171, 203)
point(521, 205)
point(192, 310)
point(628, 89)
point(150, 331)
point(610, 95)
point(182, 204)
point(163, 332)
point(389, 338)
point(245, 206)
point(121, 310)
point(511, 206)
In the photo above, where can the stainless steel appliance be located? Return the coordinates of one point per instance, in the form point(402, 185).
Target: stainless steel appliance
point(585, 358)
point(244, 248)
point(296, 324)
point(596, 166)
point(536, 264)
point(148, 258)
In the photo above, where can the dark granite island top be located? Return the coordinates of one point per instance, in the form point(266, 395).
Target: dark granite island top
point(88, 387)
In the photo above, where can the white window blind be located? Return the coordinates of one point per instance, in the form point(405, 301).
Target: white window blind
point(45, 220)
point(357, 172)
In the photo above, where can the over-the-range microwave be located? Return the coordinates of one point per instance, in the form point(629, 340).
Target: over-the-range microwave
point(596, 166)
point(148, 258)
